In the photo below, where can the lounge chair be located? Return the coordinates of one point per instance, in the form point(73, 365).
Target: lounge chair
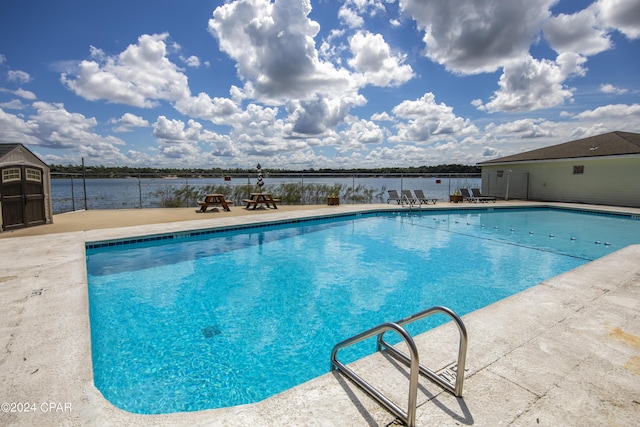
point(408, 197)
point(479, 197)
point(466, 197)
point(393, 196)
point(422, 199)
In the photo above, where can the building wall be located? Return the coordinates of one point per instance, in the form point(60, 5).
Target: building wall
point(605, 180)
point(21, 156)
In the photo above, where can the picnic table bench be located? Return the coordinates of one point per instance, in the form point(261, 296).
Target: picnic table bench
point(214, 200)
point(265, 199)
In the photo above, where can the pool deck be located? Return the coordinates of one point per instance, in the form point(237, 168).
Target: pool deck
point(563, 353)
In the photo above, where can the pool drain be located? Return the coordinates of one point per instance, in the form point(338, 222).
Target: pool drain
point(211, 331)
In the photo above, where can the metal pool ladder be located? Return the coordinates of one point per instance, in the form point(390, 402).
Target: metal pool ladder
point(409, 417)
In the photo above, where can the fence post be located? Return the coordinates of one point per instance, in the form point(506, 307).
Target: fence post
point(84, 183)
point(73, 199)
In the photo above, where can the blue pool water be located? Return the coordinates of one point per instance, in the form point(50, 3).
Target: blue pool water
point(233, 317)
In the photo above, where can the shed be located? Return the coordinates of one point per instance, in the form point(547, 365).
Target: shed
point(25, 188)
point(602, 169)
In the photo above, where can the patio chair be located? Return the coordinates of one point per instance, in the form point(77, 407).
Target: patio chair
point(422, 198)
point(394, 196)
point(479, 197)
point(408, 197)
point(466, 197)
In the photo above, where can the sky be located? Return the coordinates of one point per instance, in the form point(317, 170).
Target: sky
point(299, 84)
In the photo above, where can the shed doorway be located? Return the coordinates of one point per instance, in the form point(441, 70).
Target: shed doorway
point(22, 196)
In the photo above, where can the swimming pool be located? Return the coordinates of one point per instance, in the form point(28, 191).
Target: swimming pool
point(194, 322)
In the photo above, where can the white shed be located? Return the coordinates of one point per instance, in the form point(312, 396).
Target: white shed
point(25, 188)
point(602, 169)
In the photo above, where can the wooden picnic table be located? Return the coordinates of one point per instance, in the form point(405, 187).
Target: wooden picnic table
point(214, 200)
point(265, 199)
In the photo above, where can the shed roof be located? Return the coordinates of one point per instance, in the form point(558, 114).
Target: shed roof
point(608, 144)
point(6, 149)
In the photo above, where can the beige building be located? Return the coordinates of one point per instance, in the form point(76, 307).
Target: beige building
point(602, 169)
point(25, 188)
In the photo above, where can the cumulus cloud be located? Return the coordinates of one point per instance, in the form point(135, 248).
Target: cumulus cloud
point(612, 111)
point(18, 76)
point(192, 61)
point(14, 104)
point(140, 76)
point(53, 126)
point(317, 114)
point(128, 121)
point(24, 94)
point(372, 58)
point(351, 11)
point(609, 88)
point(217, 110)
point(360, 134)
point(423, 118)
point(274, 47)
point(622, 15)
point(471, 37)
point(531, 84)
point(524, 128)
point(577, 33)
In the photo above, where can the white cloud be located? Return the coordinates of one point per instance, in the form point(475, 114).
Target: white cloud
point(53, 126)
point(140, 76)
point(524, 128)
point(351, 11)
point(25, 94)
point(192, 61)
point(129, 121)
point(623, 15)
point(423, 119)
point(273, 45)
point(632, 112)
point(577, 33)
point(531, 85)
point(382, 117)
point(318, 114)
point(18, 76)
point(373, 58)
point(609, 88)
point(217, 110)
point(471, 37)
point(14, 104)
point(349, 16)
point(359, 134)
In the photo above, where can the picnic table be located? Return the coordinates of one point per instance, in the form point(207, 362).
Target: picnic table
point(262, 199)
point(214, 200)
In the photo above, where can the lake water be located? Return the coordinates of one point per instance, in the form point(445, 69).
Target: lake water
point(134, 193)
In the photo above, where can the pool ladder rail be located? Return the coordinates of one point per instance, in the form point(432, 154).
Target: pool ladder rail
point(413, 361)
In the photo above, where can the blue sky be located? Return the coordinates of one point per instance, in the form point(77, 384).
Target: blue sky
point(313, 84)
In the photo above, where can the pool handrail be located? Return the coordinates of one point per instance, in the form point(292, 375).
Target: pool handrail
point(408, 416)
point(415, 368)
point(456, 389)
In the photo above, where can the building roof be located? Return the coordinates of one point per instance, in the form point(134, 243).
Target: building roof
point(608, 144)
point(7, 148)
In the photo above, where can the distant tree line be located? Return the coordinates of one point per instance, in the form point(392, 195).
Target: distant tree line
point(149, 172)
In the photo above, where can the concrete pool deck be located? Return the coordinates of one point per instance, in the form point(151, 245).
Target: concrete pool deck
point(564, 352)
